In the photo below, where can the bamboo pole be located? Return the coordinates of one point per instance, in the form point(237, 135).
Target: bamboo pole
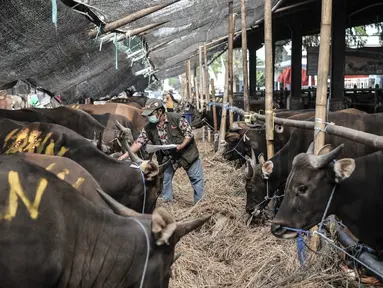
point(207, 92)
point(222, 129)
point(188, 81)
point(214, 108)
point(134, 32)
point(368, 139)
point(230, 58)
point(269, 79)
point(196, 91)
point(201, 78)
point(323, 69)
point(128, 19)
point(244, 58)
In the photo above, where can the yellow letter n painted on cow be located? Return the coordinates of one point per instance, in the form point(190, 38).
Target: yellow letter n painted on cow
point(16, 191)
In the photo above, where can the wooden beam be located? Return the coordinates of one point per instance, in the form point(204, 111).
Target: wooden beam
point(196, 90)
point(368, 139)
point(138, 31)
point(201, 79)
point(244, 58)
point(230, 58)
point(128, 19)
point(207, 92)
point(323, 69)
point(214, 108)
point(269, 79)
point(222, 129)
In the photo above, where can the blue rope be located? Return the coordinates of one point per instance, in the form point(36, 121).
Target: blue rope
point(54, 13)
point(301, 250)
point(300, 244)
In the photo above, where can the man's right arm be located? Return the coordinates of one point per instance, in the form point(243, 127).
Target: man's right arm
point(141, 140)
point(135, 147)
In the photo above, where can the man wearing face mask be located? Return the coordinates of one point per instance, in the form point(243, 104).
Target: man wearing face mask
point(171, 128)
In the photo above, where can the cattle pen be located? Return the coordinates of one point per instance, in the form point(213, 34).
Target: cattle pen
point(265, 170)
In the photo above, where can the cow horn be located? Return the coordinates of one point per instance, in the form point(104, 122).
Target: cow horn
point(310, 150)
point(116, 207)
point(132, 156)
point(322, 160)
point(122, 128)
point(187, 227)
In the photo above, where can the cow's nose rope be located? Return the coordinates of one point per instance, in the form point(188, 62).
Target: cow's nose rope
point(147, 252)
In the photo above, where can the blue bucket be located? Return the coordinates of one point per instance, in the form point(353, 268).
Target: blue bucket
point(188, 117)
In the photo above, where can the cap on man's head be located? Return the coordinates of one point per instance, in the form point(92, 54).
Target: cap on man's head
point(151, 105)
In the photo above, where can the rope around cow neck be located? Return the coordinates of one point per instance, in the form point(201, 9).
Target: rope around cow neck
point(147, 252)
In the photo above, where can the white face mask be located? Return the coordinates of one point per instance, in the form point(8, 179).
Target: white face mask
point(153, 119)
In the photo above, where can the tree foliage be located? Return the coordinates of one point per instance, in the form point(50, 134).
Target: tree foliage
point(355, 36)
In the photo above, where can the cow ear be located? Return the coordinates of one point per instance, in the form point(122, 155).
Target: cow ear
point(325, 149)
point(267, 168)
point(163, 226)
point(150, 169)
point(343, 169)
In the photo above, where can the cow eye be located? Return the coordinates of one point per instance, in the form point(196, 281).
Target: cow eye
point(302, 189)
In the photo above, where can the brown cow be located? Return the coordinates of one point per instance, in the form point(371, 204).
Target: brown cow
point(133, 114)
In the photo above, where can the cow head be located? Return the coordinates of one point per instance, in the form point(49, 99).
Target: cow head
point(308, 189)
point(164, 233)
point(153, 174)
point(241, 138)
point(255, 187)
point(197, 117)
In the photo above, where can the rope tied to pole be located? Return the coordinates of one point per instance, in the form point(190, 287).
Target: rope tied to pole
point(318, 129)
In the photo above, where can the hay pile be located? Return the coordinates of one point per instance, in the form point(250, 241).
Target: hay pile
point(226, 253)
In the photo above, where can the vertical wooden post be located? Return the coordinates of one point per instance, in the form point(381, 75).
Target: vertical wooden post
point(323, 69)
point(201, 79)
point(230, 57)
point(246, 105)
point(196, 90)
point(222, 129)
point(207, 92)
point(188, 83)
point(269, 79)
point(214, 108)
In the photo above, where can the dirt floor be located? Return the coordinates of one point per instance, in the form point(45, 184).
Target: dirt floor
point(227, 253)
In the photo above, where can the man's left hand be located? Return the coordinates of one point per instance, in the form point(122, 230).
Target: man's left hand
point(179, 148)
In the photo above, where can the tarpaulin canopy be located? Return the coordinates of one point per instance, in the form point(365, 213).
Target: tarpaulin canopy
point(63, 59)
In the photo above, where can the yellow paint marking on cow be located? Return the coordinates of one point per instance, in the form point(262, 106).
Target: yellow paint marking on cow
point(78, 183)
point(20, 142)
point(61, 175)
point(33, 141)
point(41, 147)
point(62, 151)
point(10, 134)
point(50, 167)
point(50, 148)
point(16, 190)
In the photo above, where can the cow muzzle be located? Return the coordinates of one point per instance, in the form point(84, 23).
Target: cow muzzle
point(281, 232)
